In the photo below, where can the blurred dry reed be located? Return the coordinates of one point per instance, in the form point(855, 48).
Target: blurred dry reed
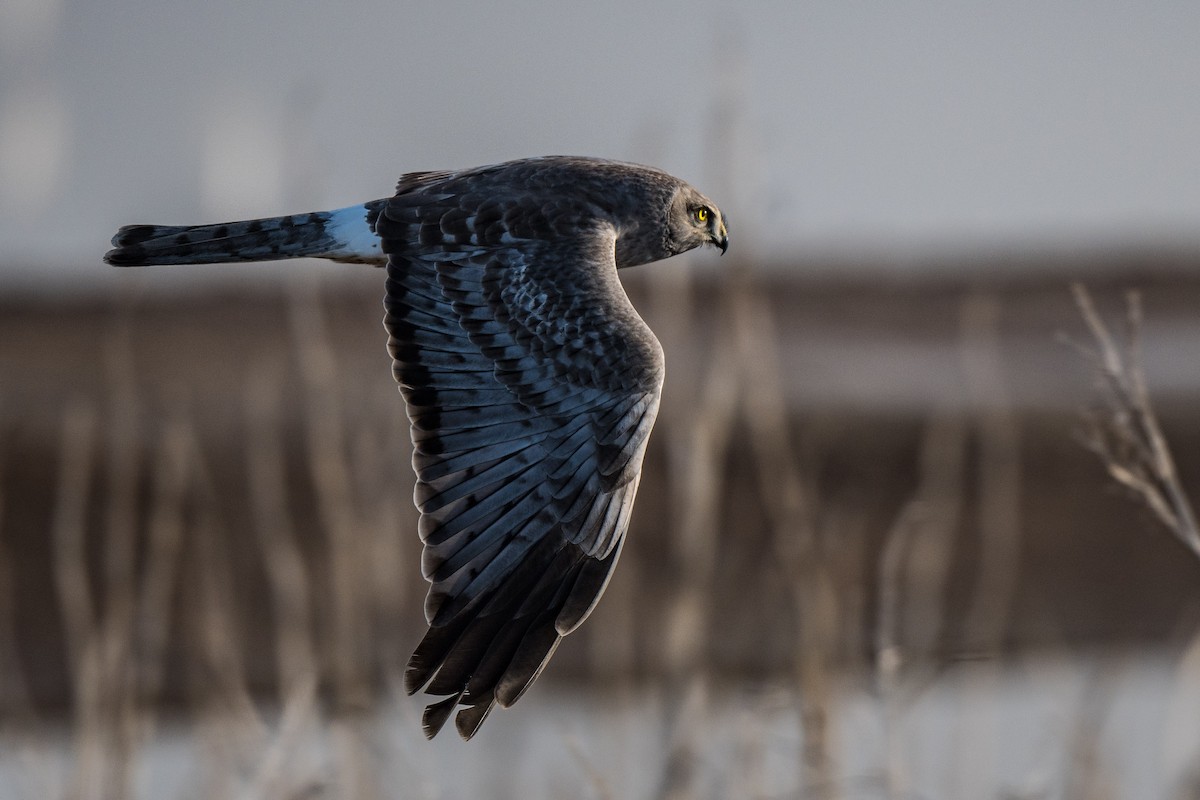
point(148, 563)
point(736, 405)
point(1124, 432)
point(998, 528)
point(170, 576)
point(913, 573)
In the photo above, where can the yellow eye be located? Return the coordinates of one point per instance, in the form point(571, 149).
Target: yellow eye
point(701, 214)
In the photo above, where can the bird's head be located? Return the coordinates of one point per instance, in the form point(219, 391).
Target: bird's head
point(657, 216)
point(695, 221)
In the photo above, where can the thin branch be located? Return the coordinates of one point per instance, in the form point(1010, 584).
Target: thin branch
point(325, 436)
point(1125, 433)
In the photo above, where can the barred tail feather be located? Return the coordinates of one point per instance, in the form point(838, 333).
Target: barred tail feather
point(347, 235)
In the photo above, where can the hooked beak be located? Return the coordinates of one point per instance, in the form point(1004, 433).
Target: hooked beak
point(721, 239)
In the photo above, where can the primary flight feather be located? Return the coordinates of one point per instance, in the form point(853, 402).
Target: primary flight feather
point(530, 380)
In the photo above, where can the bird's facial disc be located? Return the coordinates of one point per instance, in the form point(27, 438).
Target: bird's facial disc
point(701, 221)
point(694, 221)
point(708, 225)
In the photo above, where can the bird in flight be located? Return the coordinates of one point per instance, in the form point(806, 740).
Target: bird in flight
point(531, 385)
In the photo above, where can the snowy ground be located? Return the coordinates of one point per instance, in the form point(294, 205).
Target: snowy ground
point(1112, 727)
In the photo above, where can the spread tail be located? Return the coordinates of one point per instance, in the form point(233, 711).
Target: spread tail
point(347, 234)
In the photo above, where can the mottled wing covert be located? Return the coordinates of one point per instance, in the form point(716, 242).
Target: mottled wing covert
point(532, 385)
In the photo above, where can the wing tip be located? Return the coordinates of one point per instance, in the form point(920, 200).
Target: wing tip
point(527, 664)
point(468, 721)
point(434, 717)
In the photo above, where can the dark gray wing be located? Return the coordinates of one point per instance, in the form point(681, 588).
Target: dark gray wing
point(532, 385)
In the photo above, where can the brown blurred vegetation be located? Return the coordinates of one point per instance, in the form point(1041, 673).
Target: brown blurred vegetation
point(205, 498)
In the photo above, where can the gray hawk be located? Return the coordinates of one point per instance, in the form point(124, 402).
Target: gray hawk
point(531, 385)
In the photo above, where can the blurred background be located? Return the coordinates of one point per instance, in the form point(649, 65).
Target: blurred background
point(907, 528)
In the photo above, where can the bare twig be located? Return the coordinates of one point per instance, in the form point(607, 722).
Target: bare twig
point(1125, 433)
point(117, 627)
point(325, 434)
point(164, 543)
point(999, 535)
point(74, 587)
point(913, 573)
point(69, 531)
point(698, 449)
point(18, 713)
point(276, 775)
point(218, 680)
point(287, 575)
point(999, 475)
point(801, 547)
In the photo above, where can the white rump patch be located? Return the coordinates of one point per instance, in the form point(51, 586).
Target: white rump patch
point(353, 238)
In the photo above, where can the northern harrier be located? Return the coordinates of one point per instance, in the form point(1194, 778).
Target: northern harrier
point(531, 385)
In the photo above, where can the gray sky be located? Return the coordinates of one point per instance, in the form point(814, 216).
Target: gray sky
point(895, 126)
